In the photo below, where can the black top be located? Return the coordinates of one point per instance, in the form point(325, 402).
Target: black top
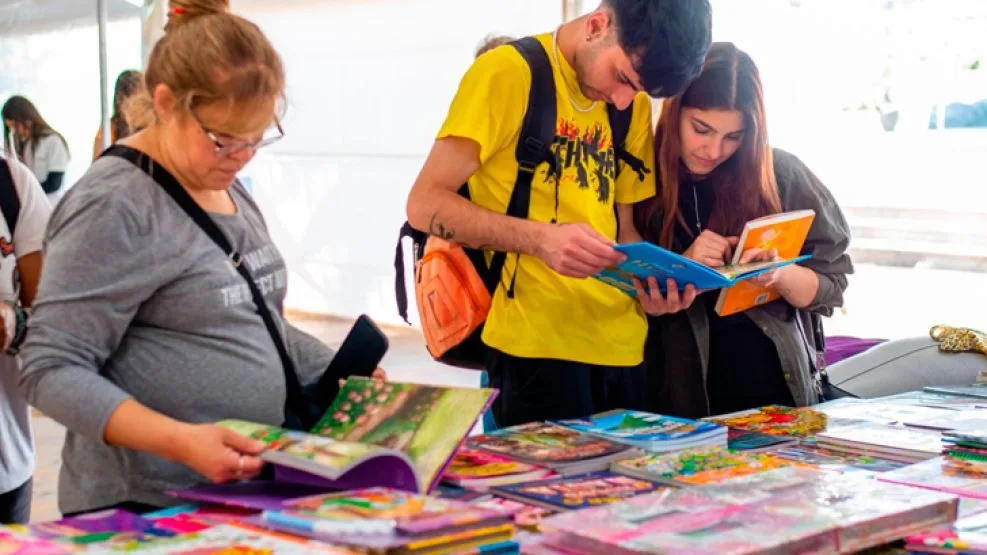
point(744, 368)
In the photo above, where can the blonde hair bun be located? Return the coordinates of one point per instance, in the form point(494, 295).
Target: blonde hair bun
point(182, 11)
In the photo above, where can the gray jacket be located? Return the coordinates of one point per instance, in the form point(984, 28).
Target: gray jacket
point(678, 344)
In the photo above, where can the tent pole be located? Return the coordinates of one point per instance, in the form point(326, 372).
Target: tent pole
point(104, 80)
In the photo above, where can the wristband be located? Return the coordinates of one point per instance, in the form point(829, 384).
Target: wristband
point(15, 328)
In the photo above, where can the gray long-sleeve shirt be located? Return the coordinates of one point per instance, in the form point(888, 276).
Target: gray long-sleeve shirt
point(137, 302)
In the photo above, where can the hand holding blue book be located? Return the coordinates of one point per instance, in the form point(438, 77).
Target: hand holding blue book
point(646, 260)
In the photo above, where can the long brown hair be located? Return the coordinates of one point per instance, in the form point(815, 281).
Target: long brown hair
point(745, 183)
point(21, 110)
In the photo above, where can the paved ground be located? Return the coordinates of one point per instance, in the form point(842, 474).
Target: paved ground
point(882, 302)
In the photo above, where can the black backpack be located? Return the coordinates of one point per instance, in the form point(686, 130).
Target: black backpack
point(10, 204)
point(534, 148)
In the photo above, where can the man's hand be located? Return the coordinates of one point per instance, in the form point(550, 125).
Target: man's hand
point(656, 305)
point(576, 250)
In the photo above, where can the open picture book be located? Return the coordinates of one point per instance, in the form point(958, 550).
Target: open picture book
point(375, 434)
point(645, 260)
point(785, 233)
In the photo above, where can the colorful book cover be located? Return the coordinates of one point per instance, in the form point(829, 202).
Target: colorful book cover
point(99, 527)
point(230, 539)
point(776, 420)
point(705, 465)
point(406, 512)
point(20, 542)
point(318, 460)
point(888, 442)
point(472, 464)
point(645, 260)
point(682, 522)
point(827, 459)
point(528, 517)
point(426, 423)
point(542, 442)
point(937, 474)
point(577, 492)
point(785, 233)
point(648, 430)
point(743, 440)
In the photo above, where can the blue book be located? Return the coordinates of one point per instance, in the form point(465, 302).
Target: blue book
point(651, 432)
point(645, 260)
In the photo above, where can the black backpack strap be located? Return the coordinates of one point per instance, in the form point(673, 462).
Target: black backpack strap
point(400, 290)
point(620, 124)
point(162, 177)
point(10, 204)
point(535, 142)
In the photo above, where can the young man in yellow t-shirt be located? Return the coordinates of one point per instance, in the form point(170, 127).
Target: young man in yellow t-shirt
point(563, 346)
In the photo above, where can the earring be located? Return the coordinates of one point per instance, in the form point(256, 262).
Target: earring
point(589, 38)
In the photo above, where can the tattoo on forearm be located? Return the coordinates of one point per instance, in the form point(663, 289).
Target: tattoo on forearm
point(438, 229)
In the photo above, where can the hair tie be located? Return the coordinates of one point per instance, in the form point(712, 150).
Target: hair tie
point(178, 10)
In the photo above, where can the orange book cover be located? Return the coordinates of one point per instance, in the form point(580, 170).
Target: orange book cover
point(785, 233)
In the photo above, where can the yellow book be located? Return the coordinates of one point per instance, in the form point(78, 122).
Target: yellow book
point(785, 233)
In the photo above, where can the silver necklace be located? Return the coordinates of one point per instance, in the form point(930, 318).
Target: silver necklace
point(695, 205)
point(555, 56)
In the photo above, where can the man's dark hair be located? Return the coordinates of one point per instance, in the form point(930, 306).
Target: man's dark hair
point(666, 39)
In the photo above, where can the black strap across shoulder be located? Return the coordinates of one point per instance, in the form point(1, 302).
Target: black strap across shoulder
point(10, 204)
point(166, 181)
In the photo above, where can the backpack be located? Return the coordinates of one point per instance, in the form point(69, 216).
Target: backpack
point(10, 204)
point(454, 287)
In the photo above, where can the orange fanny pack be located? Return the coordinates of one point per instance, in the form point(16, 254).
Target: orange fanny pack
point(454, 289)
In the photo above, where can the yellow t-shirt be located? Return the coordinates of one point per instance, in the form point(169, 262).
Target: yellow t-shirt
point(552, 316)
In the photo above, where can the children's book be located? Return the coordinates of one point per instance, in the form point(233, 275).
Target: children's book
point(562, 449)
point(18, 541)
point(705, 465)
point(777, 420)
point(937, 474)
point(784, 233)
point(646, 260)
point(754, 442)
point(679, 522)
point(382, 518)
point(426, 423)
point(228, 539)
point(313, 460)
point(525, 516)
point(578, 492)
point(648, 431)
point(101, 527)
point(908, 445)
point(827, 459)
point(478, 470)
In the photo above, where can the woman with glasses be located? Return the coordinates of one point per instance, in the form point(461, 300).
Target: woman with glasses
point(145, 332)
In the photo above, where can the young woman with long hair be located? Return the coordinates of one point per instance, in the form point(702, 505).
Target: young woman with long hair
point(717, 172)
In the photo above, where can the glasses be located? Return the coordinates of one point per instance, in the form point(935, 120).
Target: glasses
point(227, 145)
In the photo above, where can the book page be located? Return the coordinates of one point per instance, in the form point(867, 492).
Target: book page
point(319, 455)
point(427, 423)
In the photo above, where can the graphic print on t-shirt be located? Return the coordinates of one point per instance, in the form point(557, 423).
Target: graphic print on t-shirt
point(591, 152)
point(256, 261)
